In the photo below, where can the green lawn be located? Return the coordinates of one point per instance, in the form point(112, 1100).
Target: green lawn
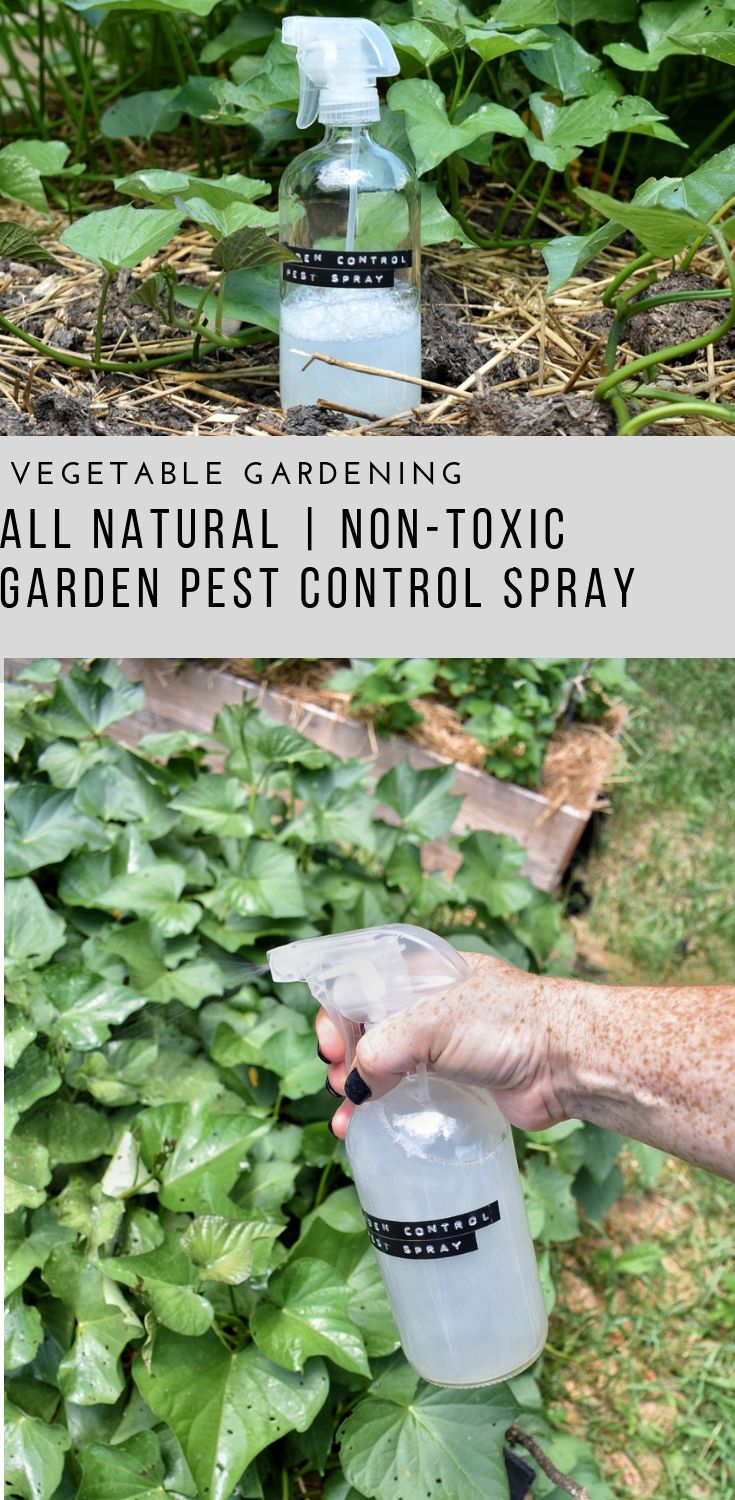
point(643, 1370)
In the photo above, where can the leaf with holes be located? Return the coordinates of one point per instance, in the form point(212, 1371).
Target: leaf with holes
point(201, 1153)
point(231, 1407)
point(410, 1439)
point(34, 1455)
point(90, 1372)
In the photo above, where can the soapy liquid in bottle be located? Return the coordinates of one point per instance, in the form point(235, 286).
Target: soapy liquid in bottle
point(435, 1163)
point(380, 328)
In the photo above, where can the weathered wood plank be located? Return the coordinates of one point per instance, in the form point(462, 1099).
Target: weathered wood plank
point(187, 695)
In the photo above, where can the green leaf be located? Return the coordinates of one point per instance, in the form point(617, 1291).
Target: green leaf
point(569, 254)
point(90, 1372)
point(71, 1132)
point(266, 884)
point(663, 231)
point(526, 13)
point(203, 1151)
point(344, 1246)
point(131, 1470)
point(84, 1207)
point(151, 7)
point(141, 116)
point(491, 43)
point(33, 932)
point(84, 1009)
point(231, 1406)
point(166, 1278)
point(23, 1332)
point(246, 249)
point(34, 1455)
point(639, 1259)
point(17, 243)
point(412, 1439)
point(20, 181)
point(566, 67)
point(222, 1249)
point(35, 1078)
point(489, 873)
point(424, 800)
point(43, 826)
point(417, 41)
point(88, 699)
point(433, 138)
point(249, 297)
point(551, 1210)
point(308, 1314)
point(245, 33)
point(123, 236)
point(438, 227)
point(213, 804)
point(27, 1174)
point(598, 1195)
point(27, 1250)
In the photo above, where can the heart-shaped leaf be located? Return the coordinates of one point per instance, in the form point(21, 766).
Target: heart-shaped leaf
point(131, 1470)
point(247, 248)
point(90, 1372)
point(202, 1154)
point(231, 1406)
point(33, 932)
point(34, 1455)
point(423, 800)
point(430, 132)
point(308, 1314)
point(123, 236)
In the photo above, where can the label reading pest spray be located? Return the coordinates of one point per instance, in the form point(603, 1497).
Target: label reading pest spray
point(351, 268)
point(431, 1238)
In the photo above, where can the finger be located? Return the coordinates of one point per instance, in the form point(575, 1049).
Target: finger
point(330, 1042)
point(336, 1079)
point(387, 1052)
point(341, 1119)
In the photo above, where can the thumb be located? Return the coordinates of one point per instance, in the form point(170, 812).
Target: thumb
point(391, 1049)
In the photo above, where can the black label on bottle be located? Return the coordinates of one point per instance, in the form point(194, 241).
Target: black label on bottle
point(351, 268)
point(431, 1239)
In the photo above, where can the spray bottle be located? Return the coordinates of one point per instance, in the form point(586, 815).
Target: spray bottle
point(434, 1167)
point(349, 211)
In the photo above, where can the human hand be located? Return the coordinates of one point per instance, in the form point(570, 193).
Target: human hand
point(499, 1028)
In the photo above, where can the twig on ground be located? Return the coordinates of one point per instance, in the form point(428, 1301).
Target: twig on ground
point(518, 1439)
point(346, 364)
point(583, 363)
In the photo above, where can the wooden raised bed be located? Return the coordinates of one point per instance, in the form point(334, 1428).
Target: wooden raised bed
point(188, 694)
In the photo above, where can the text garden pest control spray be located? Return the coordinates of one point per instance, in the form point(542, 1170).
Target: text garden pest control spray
point(435, 1170)
point(349, 211)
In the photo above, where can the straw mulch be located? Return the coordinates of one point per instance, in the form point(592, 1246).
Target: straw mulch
point(580, 758)
point(523, 363)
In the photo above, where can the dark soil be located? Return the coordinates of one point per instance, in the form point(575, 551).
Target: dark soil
point(75, 404)
point(677, 322)
point(504, 415)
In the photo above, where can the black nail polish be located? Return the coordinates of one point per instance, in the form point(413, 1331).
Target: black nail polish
point(356, 1088)
point(320, 1054)
point(334, 1092)
point(331, 1128)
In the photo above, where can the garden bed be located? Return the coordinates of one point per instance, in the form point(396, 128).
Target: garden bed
point(187, 695)
point(533, 362)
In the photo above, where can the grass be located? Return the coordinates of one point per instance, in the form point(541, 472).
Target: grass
point(645, 1375)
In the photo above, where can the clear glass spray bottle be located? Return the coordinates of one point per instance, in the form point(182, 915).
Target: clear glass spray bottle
point(435, 1170)
point(349, 211)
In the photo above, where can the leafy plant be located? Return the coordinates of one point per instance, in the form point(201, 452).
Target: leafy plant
point(194, 1308)
point(510, 705)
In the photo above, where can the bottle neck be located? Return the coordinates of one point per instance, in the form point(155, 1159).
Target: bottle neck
point(352, 136)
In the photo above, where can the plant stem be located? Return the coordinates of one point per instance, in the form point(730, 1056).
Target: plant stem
point(622, 276)
point(520, 185)
point(689, 346)
point(540, 201)
point(98, 327)
point(617, 169)
point(714, 135)
point(676, 409)
point(132, 367)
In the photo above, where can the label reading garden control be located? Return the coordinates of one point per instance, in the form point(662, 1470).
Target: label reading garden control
point(433, 1239)
point(350, 268)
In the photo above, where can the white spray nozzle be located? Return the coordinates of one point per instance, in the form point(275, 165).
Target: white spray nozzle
point(339, 61)
point(362, 977)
